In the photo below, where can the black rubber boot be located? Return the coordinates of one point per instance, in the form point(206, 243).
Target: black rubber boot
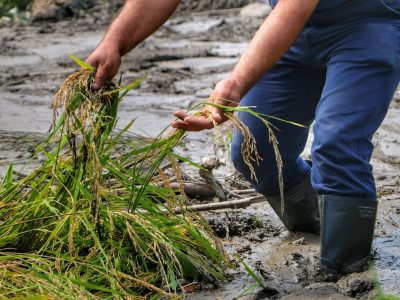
point(301, 212)
point(347, 229)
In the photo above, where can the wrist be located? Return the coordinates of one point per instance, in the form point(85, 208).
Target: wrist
point(112, 45)
point(240, 82)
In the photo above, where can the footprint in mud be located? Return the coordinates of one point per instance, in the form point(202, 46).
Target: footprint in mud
point(241, 223)
point(293, 262)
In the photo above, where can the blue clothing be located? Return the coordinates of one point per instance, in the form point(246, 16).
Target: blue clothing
point(341, 73)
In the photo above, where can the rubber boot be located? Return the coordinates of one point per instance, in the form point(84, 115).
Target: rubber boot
point(300, 210)
point(347, 229)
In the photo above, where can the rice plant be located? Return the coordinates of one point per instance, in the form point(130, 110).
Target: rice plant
point(91, 221)
point(94, 221)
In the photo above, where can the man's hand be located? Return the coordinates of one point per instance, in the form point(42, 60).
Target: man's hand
point(107, 61)
point(136, 21)
point(227, 92)
point(272, 40)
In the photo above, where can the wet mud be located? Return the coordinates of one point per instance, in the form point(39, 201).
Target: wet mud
point(183, 61)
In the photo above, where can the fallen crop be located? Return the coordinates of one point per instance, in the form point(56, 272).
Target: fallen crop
point(92, 222)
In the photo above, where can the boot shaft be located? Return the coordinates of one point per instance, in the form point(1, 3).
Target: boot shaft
point(347, 229)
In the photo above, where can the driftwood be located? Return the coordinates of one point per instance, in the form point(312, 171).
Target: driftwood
point(201, 189)
point(195, 189)
point(241, 203)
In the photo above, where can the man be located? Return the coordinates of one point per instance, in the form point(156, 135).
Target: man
point(334, 62)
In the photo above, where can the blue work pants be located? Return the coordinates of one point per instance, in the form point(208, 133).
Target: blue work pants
point(341, 74)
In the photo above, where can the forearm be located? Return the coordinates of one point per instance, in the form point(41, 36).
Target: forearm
point(137, 20)
point(273, 39)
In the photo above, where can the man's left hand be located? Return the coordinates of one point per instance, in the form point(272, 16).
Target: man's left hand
point(227, 92)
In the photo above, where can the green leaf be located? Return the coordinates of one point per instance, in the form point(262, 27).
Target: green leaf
point(251, 272)
point(126, 89)
point(8, 177)
point(81, 63)
point(186, 160)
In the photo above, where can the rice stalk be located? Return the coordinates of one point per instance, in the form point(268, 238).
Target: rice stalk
point(249, 146)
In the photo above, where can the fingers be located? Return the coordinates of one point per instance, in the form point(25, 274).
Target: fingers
point(191, 123)
point(217, 112)
point(106, 61)
point(180, 114)
point(101, 77)
point(217, 115)
point(224, 94)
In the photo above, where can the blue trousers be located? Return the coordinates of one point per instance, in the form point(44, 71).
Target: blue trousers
point(341, 73)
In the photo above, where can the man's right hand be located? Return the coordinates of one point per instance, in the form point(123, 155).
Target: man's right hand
point(106, 59)
point(136, 21)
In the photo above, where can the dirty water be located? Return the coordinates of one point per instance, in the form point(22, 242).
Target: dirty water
point(183, 61)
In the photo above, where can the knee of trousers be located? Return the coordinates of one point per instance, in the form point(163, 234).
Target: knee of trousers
point(266, 181)
point(340, 158)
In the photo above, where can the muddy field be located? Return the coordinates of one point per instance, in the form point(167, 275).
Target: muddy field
point(182, 61)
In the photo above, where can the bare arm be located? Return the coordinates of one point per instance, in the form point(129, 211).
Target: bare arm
point(137, 20)
point(273, 39)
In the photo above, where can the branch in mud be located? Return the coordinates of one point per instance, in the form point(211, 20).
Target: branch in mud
point(234, 204)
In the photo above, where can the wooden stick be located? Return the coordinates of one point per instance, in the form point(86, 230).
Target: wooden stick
point(241, 203)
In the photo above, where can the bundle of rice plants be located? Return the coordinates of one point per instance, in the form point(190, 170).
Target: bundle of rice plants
point(91, 222)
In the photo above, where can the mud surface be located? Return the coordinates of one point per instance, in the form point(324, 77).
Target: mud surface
point(183, 61)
